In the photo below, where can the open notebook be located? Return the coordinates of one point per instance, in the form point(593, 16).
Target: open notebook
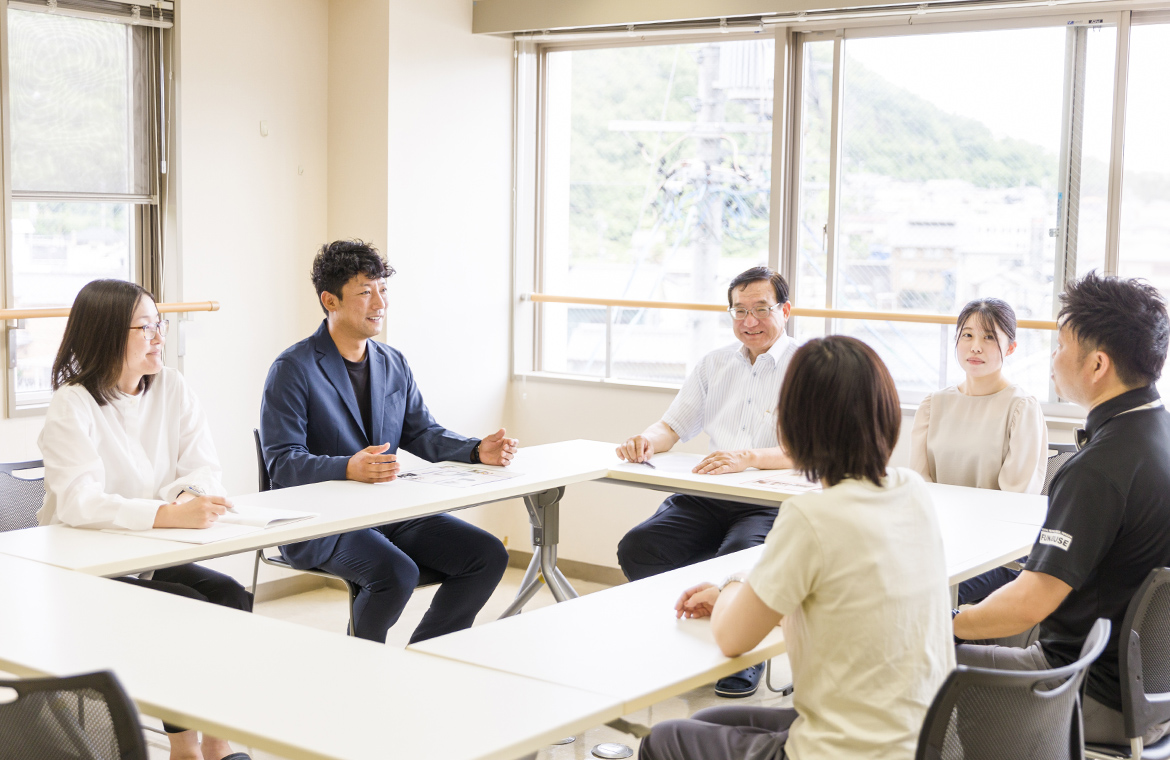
point(240, 523)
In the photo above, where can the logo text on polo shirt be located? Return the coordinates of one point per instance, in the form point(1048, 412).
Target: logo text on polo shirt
point(1057, 538)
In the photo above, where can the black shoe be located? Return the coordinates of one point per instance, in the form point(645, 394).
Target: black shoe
point(741, 684)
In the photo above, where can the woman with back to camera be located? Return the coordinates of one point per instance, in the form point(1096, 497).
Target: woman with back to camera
point(855, 575)
point(985, 432)
point(126, 445)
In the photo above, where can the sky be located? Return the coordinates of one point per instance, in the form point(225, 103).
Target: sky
point(1012, 81)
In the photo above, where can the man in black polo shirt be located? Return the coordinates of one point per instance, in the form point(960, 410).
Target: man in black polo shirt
point(1108, 520)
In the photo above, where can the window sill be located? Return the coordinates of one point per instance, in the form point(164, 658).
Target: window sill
point(595, 382)
point(1055, 421)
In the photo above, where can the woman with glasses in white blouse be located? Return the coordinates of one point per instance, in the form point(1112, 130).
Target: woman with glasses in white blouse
point(126, 445)
point(985, 432)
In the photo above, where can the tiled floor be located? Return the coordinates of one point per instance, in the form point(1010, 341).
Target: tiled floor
point(327, 609)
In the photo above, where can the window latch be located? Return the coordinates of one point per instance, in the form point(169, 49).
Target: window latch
point(13, 326)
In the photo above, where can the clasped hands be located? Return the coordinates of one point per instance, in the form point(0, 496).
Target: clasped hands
point(373, 465)
point(640, 448)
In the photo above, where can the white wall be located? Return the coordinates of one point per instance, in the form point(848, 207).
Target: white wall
point(450, 180)
point(252, 208)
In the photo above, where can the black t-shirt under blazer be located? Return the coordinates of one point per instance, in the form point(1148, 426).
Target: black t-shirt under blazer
point(1108, 525)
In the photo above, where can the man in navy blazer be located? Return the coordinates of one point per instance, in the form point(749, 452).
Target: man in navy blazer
point(337, 406)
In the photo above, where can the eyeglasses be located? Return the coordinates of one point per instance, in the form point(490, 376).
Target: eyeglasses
point(158, 328)
point(760, 312)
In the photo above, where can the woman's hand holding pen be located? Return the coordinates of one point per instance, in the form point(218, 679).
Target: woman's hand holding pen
point(199, 512)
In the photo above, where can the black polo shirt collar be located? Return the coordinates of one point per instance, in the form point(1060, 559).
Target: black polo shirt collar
point(1107, 410)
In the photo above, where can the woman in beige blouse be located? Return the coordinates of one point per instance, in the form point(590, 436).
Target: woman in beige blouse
point(985, 432)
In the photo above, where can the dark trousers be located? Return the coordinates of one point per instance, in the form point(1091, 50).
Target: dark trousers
point(199, 583)
point(980, 587)
point(721, 733)
point(384, 562)
point(690, 529)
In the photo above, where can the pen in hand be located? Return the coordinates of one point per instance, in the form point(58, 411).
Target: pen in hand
point(652, 467)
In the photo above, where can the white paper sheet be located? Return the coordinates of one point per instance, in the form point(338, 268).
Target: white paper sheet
point(455, 475)
point(787, 483)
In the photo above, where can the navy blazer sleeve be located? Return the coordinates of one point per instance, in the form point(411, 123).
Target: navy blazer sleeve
point(284, 422)
point(421, 434)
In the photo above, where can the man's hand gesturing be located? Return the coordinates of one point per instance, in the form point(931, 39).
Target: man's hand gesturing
point(371, 465)
point(497, 449)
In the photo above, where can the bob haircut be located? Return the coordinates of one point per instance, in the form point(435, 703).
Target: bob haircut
point(989, 313)
point(839, 415)
point(340, 261)
point(93, 349)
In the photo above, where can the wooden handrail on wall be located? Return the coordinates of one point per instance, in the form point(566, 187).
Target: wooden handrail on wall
point(163, 308)
point(797, 311)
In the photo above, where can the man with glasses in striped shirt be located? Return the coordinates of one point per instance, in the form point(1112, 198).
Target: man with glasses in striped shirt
point(731, 396)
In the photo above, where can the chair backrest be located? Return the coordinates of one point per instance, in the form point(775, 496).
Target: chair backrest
point(86, 717)
point(1144, 656)
point(1064, 452)
point(20, 498)
point(982, 714)
point(261, 468)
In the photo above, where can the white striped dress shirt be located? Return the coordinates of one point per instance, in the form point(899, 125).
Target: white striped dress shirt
point(732, 400)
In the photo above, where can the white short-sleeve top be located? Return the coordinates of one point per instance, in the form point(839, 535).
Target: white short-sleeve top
point(859, 575)
point(113, 466)
point(996, 441)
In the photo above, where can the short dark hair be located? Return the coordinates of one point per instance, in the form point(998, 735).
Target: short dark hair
point(760, 274)
point(93, 349)
point(1124, 318)
point(340, 261)
point(992, 313)
point(839, 414)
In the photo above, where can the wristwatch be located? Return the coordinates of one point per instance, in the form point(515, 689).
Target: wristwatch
point(475, 453)
point(733, 578)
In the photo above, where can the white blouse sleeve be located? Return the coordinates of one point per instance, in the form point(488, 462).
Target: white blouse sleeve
point(197, 463)
point(919, 461)
point(1026, 460)
point(75, 473)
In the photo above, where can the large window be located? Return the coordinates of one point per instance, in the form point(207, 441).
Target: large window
point(657, 177)
point(923, 165)
point(82, 99)
point(1145, 205)
point(963, 179)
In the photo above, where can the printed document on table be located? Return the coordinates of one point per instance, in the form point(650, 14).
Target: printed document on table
point(456, 475)
point(786, 483)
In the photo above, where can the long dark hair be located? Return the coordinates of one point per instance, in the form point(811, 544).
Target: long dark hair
point(855, 417)
point(93, 349)
point(993, 315)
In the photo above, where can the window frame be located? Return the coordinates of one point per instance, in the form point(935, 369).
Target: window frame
point(141, 263)
point(530, 127)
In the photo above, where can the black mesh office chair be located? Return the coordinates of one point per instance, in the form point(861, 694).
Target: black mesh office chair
point(1064, 452)
point(86, 717)
point(1144, 665)
point(426, 576)
point(20, 498)
point(983, 714)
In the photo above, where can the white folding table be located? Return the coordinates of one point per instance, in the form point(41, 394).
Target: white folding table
point(343, 505)
point(292, 690)
point(640, 654)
